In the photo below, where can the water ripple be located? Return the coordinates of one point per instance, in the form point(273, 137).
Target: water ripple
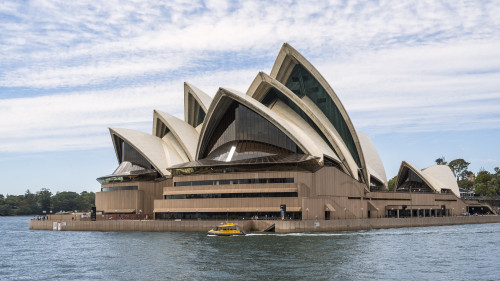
point(462, 252)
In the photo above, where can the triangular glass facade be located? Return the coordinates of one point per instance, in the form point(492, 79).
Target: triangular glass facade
point(302, 83)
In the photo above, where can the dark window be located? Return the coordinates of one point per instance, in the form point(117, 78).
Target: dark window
point(243, 181)
point(133, 156)
point(273, 95)
point(166, 130)
point(116, 188)
point(241, 124)
point(235, 181)
point(228, 215)
point(201, 116)
point(182, 183)
point(315, 91)
point(231, 195)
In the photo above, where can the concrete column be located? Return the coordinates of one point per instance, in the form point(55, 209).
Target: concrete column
point(423, 212)
point(397, 211)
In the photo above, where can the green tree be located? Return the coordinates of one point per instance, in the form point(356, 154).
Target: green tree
point(13, 201)
point(4, 208)
point(392, 183)
point(440, 161)
point(481, 189)
point(465, 184)
point(28, 204)
point(494, 187)
point(87, 199)
point(497, 172)
point(67, 201)
point(482, 177)
point(43, 198)
point(459, 167)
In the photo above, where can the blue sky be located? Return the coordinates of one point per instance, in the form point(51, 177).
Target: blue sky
point(420, 78)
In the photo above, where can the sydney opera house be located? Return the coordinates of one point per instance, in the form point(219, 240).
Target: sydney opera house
point(284, 149)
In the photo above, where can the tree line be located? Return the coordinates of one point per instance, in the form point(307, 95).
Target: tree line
point(43, 200)
point(484, 183)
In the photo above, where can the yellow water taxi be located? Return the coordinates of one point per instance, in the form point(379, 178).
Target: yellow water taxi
point(227, 229)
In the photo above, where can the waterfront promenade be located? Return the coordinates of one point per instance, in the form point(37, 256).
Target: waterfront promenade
point(257, 225)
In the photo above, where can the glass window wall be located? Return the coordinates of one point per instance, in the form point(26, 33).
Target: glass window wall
point(116, 188)
point(133, 156)
point(302, 83)
point(231, 195)
point(242, 124)
point(273, 94)
point(234, 181)
point(229, 216)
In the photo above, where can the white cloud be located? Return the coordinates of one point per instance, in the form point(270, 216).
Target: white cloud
point(414, 66)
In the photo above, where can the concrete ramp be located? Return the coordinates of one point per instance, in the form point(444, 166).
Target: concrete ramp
point(271, 228)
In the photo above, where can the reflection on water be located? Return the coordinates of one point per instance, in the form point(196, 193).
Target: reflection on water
point(462, 252)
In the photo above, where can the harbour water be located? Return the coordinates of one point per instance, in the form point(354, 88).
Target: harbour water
point(457, 252)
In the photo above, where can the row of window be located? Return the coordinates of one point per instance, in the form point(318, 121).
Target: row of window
point(231, 195)
point(234, 181)
point(116, 188)
point(229, 216)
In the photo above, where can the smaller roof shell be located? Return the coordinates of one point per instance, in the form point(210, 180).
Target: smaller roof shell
point(193, 97)
point(152, 148)
point(443, 175)
point(185, 134)
point(437, 178)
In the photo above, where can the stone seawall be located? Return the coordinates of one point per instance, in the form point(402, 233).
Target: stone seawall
point(359, 224)
point(281, 226)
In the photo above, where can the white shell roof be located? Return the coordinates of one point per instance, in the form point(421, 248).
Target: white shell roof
point(287, 58)
point(437, 177)
point(184, 142)
point(443, 176)
point(263, 82)
point(150, 147)
point(185, 134)
point(372, 158)
point(199, 96)
point(288, 114)
point(291, 130)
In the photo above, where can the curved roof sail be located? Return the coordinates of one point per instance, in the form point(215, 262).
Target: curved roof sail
point(196, 103)
point(438, 178)
point(302, 78)
point(145, 146)
point(185, 135)
point(373, 160)
point(443, 175)
point(225, 99)
point(275, 95)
